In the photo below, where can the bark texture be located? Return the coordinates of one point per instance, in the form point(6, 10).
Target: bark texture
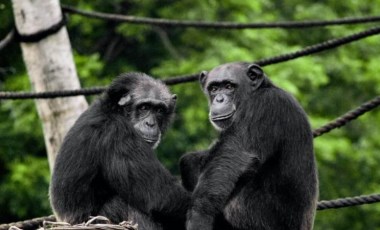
point(50, 67)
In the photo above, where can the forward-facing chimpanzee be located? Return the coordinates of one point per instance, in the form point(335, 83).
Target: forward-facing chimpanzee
point(261, 172)
point(106, 165)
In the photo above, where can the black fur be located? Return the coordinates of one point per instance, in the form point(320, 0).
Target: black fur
point(105, 168)
point(261, 172)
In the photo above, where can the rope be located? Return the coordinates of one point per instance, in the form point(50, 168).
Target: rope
point(7, 40)
point(95, 223)
point(347, 202)
point(39, 35)
point(322, 205)
point(28, 224)
point(329, 44)
point(347, 117)
point(218, 25)
point(51, 94)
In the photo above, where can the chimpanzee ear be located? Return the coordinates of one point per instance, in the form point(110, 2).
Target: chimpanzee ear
point(202, 77)
point(174, 100)
point(125, 100)
point(256, 74)
point(121, 87)
point(172, 103)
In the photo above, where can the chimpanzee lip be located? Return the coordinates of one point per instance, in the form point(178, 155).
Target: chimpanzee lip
point(223, 117)
point(150, 140)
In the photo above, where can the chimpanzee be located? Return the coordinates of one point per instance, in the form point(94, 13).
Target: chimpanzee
point(106, 164)
point(261, 172)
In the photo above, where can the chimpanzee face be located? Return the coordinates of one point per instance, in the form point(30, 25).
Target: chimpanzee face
point(221, 93)
point(150, 108)
point(225, 86)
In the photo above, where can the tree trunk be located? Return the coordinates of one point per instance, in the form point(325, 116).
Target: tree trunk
point(50, 67)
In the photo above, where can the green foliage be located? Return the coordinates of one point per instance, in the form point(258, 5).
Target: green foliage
point(326, 84)
point(16, 196)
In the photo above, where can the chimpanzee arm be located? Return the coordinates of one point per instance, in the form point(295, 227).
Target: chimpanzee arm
point(170, 195)
point(171, 208)
point(116, 172)
point(139, 178)
point(216, 183)
point(191, 165)
point(168, 200)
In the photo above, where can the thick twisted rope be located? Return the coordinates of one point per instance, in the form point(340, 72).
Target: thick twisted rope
point(347, 117)
point(41, 34)
point(348, 202)
point(28, 224)
point(322, 205)
point(337, 123)
point(218, 25)
point(52, 94)
point(329, 44)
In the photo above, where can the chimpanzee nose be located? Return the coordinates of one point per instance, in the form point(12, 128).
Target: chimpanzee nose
point(219, 98)
point(150, 122)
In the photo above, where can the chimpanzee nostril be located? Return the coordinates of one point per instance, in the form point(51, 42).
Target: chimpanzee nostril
point(219, 98)
point(150, 123)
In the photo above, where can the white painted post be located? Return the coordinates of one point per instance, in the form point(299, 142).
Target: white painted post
point(50, 67)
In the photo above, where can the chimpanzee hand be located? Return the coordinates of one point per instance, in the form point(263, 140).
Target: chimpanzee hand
point(198, 221)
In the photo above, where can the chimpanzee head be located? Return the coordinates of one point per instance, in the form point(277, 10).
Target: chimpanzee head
point(146, 104)
point(228, 87)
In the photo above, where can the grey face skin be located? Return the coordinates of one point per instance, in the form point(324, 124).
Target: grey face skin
point(150, 105)
point(223, 85)
point(221, 92)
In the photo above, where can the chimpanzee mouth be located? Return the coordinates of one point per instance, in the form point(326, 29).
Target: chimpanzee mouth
point(149, 136)
point(150, 140)
point(223, 117)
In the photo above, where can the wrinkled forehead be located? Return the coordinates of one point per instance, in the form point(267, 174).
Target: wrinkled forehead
point(232, 72)
point(157, 93)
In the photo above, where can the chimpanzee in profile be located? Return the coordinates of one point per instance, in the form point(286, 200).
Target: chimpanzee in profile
point(261, 172)
point(106, 164)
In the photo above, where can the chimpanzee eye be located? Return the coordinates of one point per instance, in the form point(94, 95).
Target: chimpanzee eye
point(213, 88)
point(229, 86)
point(143, 108)
point(160, 110)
